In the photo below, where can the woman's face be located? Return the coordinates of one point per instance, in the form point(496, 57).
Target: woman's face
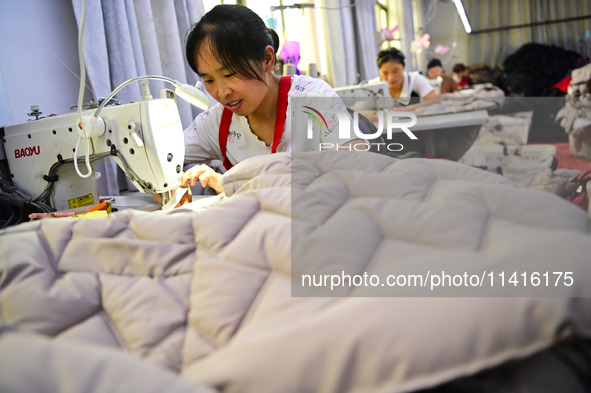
point(392, 72)
point(241, 96)
point(434, 72)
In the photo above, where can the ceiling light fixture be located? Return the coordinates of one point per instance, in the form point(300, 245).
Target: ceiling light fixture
point(463, 16)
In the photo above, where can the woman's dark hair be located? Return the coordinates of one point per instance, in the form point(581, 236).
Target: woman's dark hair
point(434, 63)
point(459, 67)
point(390, 54)
point(236, 36)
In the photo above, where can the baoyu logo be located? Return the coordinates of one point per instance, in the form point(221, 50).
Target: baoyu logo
point(27, 151)
point(393, 120)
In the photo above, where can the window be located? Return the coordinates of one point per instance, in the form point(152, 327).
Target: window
point(291, 22)
point(381, 14)
point(387, 17)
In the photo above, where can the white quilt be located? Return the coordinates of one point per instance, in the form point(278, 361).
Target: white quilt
point(198, 301)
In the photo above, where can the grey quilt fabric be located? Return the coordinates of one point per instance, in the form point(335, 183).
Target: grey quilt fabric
point(213, 301)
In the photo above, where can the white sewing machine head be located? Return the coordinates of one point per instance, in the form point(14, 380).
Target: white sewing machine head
point(145, 138)
point(365, 96)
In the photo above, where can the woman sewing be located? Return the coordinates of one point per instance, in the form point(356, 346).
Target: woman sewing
point(234, 53)
point(402, 84)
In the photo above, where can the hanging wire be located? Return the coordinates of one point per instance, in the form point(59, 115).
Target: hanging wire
point(430, 13)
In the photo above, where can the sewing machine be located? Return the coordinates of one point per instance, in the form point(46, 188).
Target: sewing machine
point(145, 138)
point(366, 96)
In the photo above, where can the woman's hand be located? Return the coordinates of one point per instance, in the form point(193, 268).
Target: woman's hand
point(185, 199)
point(205, 175)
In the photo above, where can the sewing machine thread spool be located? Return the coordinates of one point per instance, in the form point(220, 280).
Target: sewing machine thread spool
point(289, 69)
point(313, 70)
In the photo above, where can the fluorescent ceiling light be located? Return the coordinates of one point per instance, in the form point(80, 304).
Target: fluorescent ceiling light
point(463, 15)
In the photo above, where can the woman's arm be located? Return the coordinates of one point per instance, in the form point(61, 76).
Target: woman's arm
point(430, 94)
point(421, 85)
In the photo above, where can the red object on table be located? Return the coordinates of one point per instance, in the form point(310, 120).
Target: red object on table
point(563, 84)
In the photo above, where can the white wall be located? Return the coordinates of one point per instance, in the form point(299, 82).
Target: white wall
point(38, 43)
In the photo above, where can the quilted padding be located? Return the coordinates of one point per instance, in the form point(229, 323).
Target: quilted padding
point(209, 295)
point(114, 282)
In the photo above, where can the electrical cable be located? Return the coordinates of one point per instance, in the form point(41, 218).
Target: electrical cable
point(10, 220)
point(17, 203)
point(86, 158)
point(43, 199)
point(81, 97)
